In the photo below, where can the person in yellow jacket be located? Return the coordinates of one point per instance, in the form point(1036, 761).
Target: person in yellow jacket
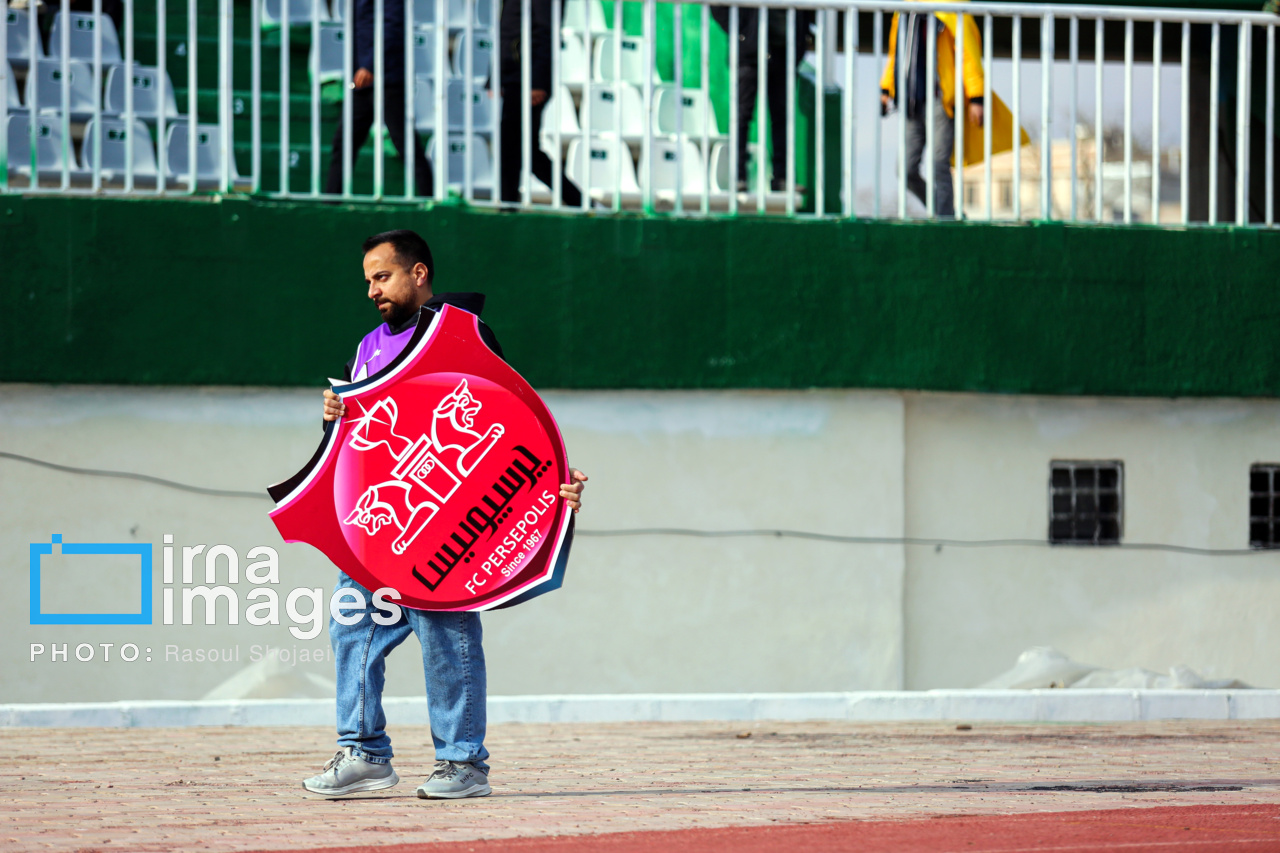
point(945, 95)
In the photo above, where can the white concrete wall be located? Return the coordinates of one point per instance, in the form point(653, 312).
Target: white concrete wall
point(656, 614)
point(978, 468)
point(669, 614)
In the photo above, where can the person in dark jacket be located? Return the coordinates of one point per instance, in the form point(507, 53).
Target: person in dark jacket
point(540, 37)
point(776, 70)
point(362, 103)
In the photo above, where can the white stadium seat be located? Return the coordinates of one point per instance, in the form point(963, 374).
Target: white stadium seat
point(606, 103)
point(299, 12)
point(326, 59)
point(424, 52)
point(46, 79)
point(573, 60)
point(17, 25)
point(82, 26)
point(690, 176)
point(610, 162)
point(424, 13)
point(148, 93)
point(722, 184)
point(49, 155)
point(482, 107)
point(481, 56)
point(15, 102)
point(424, 103)
point(459, 151)
point(695, 110)
point(634, 60)
point(568, 114)
point(574, 18)
point(114, 150)
point(208, 154)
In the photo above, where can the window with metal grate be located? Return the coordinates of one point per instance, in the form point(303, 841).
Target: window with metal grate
point(1264, 505)
point(1086, 502)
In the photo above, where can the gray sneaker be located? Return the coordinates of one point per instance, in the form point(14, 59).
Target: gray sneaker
point(347, 773)
point(453, 780)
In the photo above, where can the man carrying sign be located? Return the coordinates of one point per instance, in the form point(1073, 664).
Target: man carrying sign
point(399, 270)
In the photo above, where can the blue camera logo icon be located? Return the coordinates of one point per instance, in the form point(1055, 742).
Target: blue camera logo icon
point(39, 550)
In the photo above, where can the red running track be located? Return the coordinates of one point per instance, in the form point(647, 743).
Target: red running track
point(1195, 829)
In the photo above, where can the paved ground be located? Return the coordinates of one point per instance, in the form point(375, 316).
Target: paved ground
point(237, 789)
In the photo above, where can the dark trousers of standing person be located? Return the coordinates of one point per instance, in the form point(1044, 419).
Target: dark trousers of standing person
point(776, 96)
point(939, 159)
point(362, 104)
point(513, 154)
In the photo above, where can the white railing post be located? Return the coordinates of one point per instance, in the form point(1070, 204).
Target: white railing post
point(1075, 116)
point(1157, 50)
point(162, 74)
point(1128, 121)
point(677, 50)
point(315, 98)
point(1271, 126)
point(96, 165)
point(65, 118)
point(1215, 54)
point(819, 114)
point(704, 86)
point(1098, 153)
point(557, 171)
point(848, 101)
point(379, 91)
point(930, 24)
point(348, 87)
point(526, 110)
point(255, 95)
point(33, 93)
point(762, 107)
point(468, 94)
point(5, 71)
point(285, 24)
point(1184, 162)
point(734, 59)
point(877, 38)
point(900, 66)
point(1046, 111)
point(618, 85)
point(495, 22)
point(988, 64)
point(410, 107)
point(128, 96)
point(1243, 50)
point(225, 94)
point(650, 64)
point(1017, 117)
point(441, 74)
point(790, 85)
point(193, 101)
point(588, 89)
point(960, 103)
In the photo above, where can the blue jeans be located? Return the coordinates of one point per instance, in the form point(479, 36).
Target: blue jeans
point(452, 660)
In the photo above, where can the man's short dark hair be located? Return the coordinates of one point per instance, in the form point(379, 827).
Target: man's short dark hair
point(409, 246)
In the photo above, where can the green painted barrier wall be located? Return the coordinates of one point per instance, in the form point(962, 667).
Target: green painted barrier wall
point(249, 292)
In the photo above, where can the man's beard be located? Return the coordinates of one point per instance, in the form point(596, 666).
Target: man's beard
point(398, 314)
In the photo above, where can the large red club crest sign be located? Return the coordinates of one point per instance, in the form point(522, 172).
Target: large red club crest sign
point(442, 481)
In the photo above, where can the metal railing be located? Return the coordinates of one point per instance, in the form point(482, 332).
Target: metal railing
point(626, 130)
